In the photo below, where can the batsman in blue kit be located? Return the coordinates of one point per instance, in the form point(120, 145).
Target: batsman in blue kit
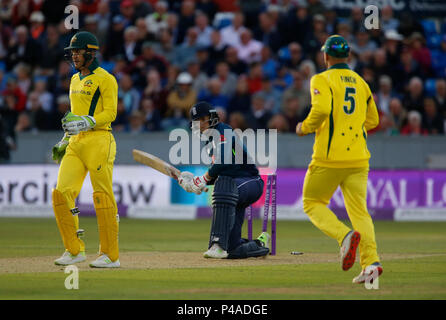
point(237, 184)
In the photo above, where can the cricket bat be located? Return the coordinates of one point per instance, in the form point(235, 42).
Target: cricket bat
point(156, 163)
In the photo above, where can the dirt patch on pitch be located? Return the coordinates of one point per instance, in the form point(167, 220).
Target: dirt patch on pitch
point(169, 260)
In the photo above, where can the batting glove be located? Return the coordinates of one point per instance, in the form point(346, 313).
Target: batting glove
point(59, 149)
point(185, 181)
point(73, 124)
point(199, 184)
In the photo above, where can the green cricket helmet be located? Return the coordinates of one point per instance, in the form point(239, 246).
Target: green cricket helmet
point(83, 40)
point(336, 46)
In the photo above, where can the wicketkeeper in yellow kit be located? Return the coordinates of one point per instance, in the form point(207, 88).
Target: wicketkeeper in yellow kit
point(87, 146)
point(342, 111)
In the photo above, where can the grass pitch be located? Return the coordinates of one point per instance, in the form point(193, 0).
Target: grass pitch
point(163, 260)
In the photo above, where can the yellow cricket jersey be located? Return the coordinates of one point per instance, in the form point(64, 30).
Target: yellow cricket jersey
point(342, 111)
point(95, 95)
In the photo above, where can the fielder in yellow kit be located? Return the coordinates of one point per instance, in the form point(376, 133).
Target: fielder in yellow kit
point(342, 111)
point(88, 146)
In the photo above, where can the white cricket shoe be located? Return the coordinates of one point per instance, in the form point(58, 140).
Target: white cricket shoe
point(67, 258)
point(348, 249)
point(216, 252)
point(104, 261)
point(368, 272)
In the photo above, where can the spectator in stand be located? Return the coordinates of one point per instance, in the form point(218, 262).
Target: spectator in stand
point(44, 97)
point(129, 94)
point(23, 49)
point(52, 51)
point(142, 8)
point(200, 79)
point(127, 10)
point(296, 90)
point(307, 70)
point(269, 64)
point(279, 122)
point(21, 12)
point(408, 25)
point(146, 61)
point(172, 26)
point(385, 94)
point(214, 94)
point(142, 34)
point(172, 74)
point(316, 37)
point(5, 36)
point(267, 33)
point(6, 141)
point(217, 48)
point(255, 78)
point(291, 112)
point(363, 44)
point(186, 19)
point(414, 125)
point(166, 47)
point(12, 89)
point(392, 47)
point(398, 114)
point(227, 78)
point(379, 63)
point(413, 99)
point(284, 78)
point(37, 114)
point(136, 123)
point(131, 47)
point(115, 36)
point(331, 21)
point(37, 27)
point(155, 91)
point(315, 7)
point(181, 98)
point(208, 7)
point(356, 19)
point(271, 95)
point(23, 123)
point(23, 74)
point(259, 116)
point(121, 116)
point(236, 65)
point(230, 35)
point(157, 20)
point(296, 25)
point(421, 53)
point(206, 64)
point(152, 117)
point(248, 49)
point(432, 121)
point(187, 49)
point(296, 56)
point(388, 22)
point(344, 30)
point(241, 100)
point(203, 29)
point(237, 121)
point(104, 19)
point(63, 106)
point(407, 69)
point(440, 96)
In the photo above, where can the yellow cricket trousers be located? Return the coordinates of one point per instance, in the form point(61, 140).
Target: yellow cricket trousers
point(320, 184)
point(93, 152)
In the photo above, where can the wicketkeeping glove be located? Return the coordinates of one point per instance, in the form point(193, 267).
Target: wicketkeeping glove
point(58, 150)
point(73, 124)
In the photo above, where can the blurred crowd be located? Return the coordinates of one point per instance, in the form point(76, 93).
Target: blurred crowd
point(253, 60)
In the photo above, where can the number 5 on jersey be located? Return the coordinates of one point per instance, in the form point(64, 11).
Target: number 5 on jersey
point(349, 92)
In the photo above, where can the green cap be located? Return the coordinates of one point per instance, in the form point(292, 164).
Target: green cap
point(83, 40)
point(336, 46)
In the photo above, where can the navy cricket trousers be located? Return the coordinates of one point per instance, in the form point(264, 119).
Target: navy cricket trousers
point(250, 189)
